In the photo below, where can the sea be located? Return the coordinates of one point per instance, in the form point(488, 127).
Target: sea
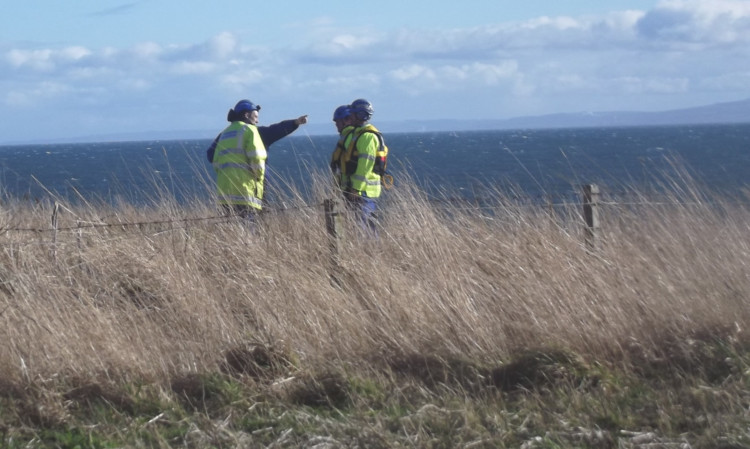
point(536, 164)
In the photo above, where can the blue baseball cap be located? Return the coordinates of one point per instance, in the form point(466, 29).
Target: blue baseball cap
point(246, 106)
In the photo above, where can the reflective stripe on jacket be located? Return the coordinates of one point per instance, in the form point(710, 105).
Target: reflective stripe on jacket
point(240, 165)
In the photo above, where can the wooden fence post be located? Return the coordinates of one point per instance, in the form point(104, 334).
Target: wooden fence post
point(79, 242)
point(591, 214)
point(333, 227)
point(55, 211)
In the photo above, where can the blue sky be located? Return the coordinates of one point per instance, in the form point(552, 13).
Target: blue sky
point(91, 67)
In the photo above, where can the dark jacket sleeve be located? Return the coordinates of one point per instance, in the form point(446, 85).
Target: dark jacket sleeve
point(271, 133)
point(210, 151)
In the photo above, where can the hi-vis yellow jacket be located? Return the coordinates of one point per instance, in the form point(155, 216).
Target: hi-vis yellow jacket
point(240, 165)
point(358, 168)
point(338, 158)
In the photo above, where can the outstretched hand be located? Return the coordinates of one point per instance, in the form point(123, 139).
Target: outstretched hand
point(301, 120)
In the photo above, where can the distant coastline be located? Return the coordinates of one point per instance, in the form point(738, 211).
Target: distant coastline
point(719, 113)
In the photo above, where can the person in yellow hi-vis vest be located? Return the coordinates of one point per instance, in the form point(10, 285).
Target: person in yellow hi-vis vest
point(362, 164)
point(239, 160)
point(342, 118)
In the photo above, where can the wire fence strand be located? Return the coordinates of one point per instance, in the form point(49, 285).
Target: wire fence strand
point(454, 205)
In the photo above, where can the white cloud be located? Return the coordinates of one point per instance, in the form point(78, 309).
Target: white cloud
point(557, 23)
point(345, 42)
point(223, 46)
point(454, 77)
point(672, 51)
point(147, 50)
point(109, 52)
point(39, 93)
point(331, 85)
point(412, 71)
point(698, 22)
point(240, 81)
point(34, 59)
point(193, 68)
point(45, 60)
point(90, 73)
point(493, 74)
point(342, 45)
point(75, 53)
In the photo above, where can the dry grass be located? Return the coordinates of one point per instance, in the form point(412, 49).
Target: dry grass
point(185, 296)
point(171, 297)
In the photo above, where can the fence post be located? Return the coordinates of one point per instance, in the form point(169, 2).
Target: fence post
point(333, 227)
point(591, 214)
point(55, 211)
point(79, 242)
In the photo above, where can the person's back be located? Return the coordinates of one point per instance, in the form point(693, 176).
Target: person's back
point(239, 161)
point(363, 145)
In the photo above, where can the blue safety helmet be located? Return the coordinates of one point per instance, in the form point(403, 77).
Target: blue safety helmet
point(362, 109)
point(246, 106)
point(342, 112)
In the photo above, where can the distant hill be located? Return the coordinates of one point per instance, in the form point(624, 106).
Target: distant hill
point(731, 112)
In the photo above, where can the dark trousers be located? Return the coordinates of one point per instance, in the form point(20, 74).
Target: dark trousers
point(247, 213)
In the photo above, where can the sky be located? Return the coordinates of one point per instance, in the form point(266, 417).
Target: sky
point(98, 67)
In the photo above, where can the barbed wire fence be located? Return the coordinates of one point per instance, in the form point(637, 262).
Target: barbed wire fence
point(588, 207)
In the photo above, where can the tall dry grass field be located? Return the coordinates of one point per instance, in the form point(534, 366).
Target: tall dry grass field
point(124, 293)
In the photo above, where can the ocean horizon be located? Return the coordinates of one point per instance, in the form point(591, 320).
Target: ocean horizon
point(534, 162)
